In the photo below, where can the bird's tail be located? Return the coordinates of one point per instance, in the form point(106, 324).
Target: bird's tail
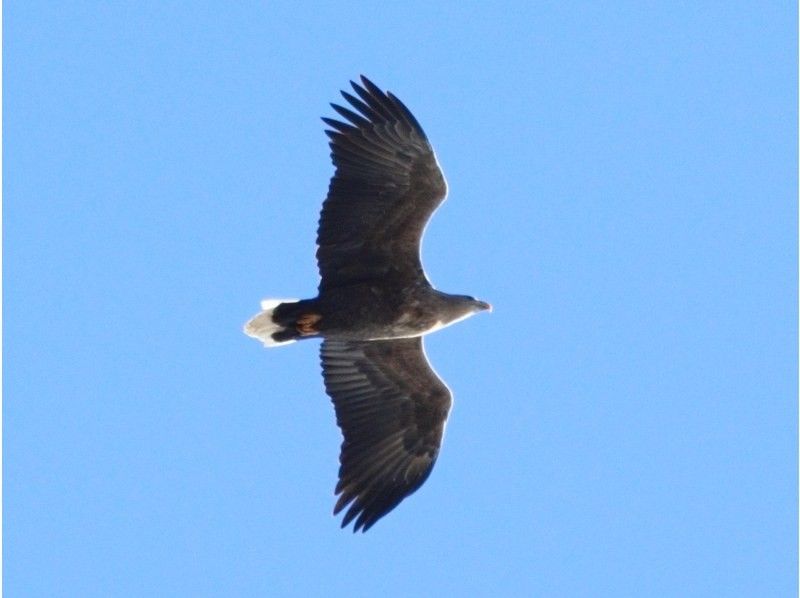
point(281, 321)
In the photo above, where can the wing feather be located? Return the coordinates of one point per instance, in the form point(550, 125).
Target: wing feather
point(392, 409)
point(386, 186)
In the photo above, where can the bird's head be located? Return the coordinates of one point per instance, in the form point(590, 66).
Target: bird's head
point(469, 305)
point(479, 305)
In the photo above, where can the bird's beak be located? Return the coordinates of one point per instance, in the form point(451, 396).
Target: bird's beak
point(484, 306)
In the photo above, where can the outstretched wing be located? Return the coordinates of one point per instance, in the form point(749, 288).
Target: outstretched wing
point(392, 408)
point(386, 186)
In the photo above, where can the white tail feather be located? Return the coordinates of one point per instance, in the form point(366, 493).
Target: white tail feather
point(261, 325)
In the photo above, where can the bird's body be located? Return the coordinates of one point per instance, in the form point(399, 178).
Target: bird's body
point(375, 303)
point(378, 311)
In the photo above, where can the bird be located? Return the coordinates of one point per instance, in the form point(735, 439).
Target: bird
point(375, 303)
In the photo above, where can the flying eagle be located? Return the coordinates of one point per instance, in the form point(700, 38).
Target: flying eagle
point(375, 304)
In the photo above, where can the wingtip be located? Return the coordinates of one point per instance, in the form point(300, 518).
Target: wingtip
point(371, 88)
point(366, 526)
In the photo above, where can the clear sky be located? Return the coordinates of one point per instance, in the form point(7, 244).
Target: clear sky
point(622, 190)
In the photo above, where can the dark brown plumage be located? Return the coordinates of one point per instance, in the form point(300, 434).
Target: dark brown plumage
point(392, 409)
point(375, 303)
point(387, 185)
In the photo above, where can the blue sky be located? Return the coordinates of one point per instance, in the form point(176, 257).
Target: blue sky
point(622, 189)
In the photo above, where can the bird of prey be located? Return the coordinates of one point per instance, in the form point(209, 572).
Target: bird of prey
point(375, 303)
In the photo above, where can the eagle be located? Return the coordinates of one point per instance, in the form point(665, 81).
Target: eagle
point(375, 303)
